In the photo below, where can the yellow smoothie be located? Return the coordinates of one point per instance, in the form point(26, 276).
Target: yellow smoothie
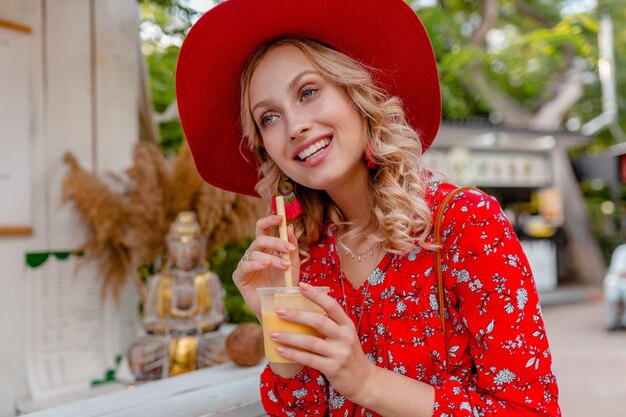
point(289, 298)
point(271, 323)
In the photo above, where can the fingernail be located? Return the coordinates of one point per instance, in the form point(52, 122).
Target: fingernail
point(280, 311)
point(304, 286)
point(290, 247)
point(280, 349)
point(274, 335)
point(285, 263)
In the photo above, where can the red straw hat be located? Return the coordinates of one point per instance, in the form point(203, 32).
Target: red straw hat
point(382, 34)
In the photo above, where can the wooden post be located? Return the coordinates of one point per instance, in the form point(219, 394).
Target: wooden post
point(582, 247)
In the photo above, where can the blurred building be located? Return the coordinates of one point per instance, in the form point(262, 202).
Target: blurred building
point(609, 166)
point(532, 178)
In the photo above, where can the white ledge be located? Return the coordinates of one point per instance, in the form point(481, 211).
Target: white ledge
point(225, 390)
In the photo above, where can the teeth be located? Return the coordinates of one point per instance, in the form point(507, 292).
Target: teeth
point(313, 148)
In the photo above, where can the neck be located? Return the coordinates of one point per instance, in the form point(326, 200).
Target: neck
point(352, 197)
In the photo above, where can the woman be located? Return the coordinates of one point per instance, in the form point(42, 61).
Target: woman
point(343, 114)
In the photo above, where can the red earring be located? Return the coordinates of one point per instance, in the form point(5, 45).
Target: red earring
point(369, 158)
point(293, 208)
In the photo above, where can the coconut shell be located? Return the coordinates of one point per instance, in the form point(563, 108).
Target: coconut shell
point(244, 345)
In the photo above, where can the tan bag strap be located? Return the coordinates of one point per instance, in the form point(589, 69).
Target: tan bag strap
point(440, 287)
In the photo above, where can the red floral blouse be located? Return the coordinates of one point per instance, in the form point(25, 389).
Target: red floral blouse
point(500, 361)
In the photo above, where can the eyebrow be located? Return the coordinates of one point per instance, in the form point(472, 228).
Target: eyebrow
point(291, 85)
point(297, 78)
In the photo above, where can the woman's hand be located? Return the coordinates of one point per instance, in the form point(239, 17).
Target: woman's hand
point(262, 264)
point(337, 354)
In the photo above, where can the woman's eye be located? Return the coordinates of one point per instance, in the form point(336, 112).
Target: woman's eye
point(308, 93)
point(267, 120)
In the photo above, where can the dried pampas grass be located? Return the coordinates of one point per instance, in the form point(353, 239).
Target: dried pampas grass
point(105, 212)
point(149, 202)
point(187, 184)
point(130, 227)
point(226, 217)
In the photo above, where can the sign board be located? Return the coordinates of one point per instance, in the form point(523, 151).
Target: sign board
point(70, 328)
point(491, 168)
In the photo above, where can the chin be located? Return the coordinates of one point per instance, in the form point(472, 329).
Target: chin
point(316, 187)
point(322, 185)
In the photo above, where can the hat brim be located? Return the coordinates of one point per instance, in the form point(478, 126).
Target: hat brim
point(382, 34)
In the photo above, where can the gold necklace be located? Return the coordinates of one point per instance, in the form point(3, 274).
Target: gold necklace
point(359, 256)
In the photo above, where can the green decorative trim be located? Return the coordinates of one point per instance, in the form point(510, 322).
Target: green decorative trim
point(36, 259)
point(109, 374)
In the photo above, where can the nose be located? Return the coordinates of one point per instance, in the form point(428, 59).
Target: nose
point(298, 126)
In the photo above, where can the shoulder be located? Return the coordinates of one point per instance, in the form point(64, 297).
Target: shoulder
point(469, 217)
point(460, 202)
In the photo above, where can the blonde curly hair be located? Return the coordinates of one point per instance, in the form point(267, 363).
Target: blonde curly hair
point(399, 215)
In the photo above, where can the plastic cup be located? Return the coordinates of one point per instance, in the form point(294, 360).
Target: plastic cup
point(290, 298)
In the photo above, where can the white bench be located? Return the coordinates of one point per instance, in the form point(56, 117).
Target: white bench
point(225, 390)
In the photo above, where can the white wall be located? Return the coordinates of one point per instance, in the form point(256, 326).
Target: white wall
point(83, 80)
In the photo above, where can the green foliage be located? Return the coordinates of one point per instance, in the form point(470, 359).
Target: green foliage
point(526, 68)
point(162, 66)
point(530, 54)
point(454, 56)
point(224, 263)
point(170, 17)
point(110, 374)
point(164, 24)
point(172, 136)
point(529, 50)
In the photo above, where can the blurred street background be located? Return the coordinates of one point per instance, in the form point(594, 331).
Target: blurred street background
point(589, 361)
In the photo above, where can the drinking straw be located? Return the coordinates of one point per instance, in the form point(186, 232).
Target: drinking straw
point(282, 229)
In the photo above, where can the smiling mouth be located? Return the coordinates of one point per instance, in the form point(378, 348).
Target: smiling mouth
point(313, 150)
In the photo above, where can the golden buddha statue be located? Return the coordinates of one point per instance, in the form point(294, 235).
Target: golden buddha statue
point(183, 309)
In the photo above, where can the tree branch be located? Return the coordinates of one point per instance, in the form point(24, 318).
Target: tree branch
point(170, 114)
point(567, 88)
point(489, 19)
point(512, 113)
point(532, 13)
point(555, 84)
point(550, 116)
